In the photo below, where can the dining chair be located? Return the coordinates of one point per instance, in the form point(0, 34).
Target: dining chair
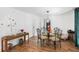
point(56, 37)
point(40, 37)
point(59, 36)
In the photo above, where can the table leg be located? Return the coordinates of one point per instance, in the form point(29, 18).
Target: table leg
point(55, 45)
point(2, 45)
point(48, 39)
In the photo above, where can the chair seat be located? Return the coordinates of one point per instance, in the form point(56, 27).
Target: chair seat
point(53, 39)
point(44, 37)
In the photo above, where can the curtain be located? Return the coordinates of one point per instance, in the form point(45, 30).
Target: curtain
point(77, 27)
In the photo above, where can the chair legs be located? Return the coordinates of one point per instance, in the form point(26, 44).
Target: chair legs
point(60, 43)
point(37, 41)
point(54, 42)
point(41, 42)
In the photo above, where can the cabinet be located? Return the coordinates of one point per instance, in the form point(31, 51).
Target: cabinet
point(71, 35)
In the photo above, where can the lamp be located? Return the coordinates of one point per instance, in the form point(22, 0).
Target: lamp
point(47, 22)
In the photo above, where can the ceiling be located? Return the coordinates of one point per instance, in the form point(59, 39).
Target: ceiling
point(42, 10)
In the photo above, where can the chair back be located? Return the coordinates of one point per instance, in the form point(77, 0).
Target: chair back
point(57, 32)
point(39, 33)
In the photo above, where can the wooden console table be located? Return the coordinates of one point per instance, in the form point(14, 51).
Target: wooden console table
point(5, 39)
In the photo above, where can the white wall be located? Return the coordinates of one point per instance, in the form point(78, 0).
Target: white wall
point(23, 21)
point(64, 22)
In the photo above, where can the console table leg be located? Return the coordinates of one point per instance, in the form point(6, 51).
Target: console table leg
point(28, 38)
point(25, 38)
point(6, 49)
point(2, 45)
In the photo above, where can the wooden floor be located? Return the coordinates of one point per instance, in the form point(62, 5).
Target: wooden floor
point(66, 46)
